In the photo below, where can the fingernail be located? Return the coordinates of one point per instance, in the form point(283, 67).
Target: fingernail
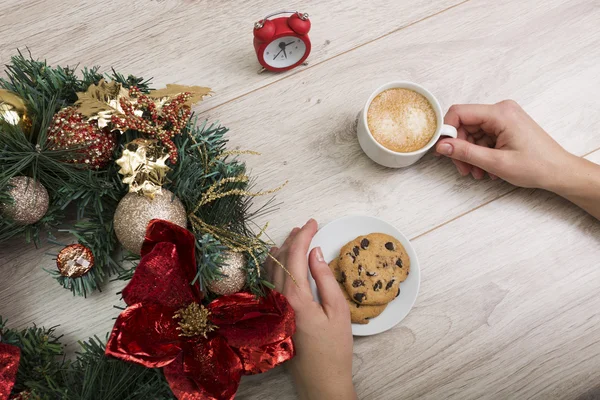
point(445, 149)
point(319, 254)
point(463, 171)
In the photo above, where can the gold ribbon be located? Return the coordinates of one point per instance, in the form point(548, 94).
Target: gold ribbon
point(235, 242)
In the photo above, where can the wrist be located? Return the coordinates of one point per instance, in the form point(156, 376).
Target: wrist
point(333, 390)
point(324, 385)
point(575, 177)
point(561, 177)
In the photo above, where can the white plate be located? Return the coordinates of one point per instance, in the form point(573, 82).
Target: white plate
point(337, 233)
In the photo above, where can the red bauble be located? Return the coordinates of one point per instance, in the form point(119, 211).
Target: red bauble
point(9, 364)
point(71, 131)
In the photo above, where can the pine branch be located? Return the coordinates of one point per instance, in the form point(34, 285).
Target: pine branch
point(41, 360)
point(46, 374)
point(130, 81)
point(209, 258)
point(94, 376)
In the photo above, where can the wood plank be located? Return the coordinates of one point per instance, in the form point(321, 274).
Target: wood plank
point(496, 316)
point(508, 308)
point(197, 42)
point(543, 56)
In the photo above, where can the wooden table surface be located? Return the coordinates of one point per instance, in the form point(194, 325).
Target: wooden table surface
point(509, 304)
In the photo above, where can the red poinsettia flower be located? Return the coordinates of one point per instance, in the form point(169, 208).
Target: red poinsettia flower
point(203, 351)
point(9, 364)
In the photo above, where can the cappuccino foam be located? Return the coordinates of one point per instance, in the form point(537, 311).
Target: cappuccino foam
point(401, 120)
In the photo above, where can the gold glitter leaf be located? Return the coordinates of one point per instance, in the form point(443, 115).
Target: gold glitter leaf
point(101, 101)
point(172, 90)
point(143, 166)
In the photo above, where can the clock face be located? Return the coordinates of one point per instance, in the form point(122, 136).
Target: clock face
point(285, 51)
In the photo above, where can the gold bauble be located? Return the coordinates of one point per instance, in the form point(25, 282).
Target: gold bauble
point(135, 211)
point(30, 201)
point(13, 110)
point(234, 272)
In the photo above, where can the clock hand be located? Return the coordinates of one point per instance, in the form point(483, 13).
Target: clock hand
point(284, 53)
point(282, 47)
point(287, 44)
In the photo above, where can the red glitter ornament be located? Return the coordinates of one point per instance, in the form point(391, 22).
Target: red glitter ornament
point(9, 364)
point(160, 122)
point(203, 351)
point(71, 131)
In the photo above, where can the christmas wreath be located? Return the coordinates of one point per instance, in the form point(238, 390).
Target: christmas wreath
point(148, 194)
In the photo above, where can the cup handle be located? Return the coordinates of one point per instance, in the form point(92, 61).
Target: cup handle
point(448, 130)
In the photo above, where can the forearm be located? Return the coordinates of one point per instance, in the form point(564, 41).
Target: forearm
point(579, 182)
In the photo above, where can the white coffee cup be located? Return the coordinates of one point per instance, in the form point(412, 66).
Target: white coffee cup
point(393, 159)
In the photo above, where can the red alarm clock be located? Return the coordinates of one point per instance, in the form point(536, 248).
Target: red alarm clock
point(282, 43)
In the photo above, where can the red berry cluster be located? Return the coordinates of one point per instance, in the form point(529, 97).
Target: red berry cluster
point(71, 131)
point(161, 123)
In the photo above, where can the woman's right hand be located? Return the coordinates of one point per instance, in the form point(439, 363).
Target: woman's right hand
point(322, 368)
point(504, 141)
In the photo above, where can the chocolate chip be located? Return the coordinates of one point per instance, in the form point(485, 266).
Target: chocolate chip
point(356, 250)
point(399, 263)
point(398, 294)
point(364, 243)
point(371, 273)
point(389, 285)
point(342, 277)
point(359, 297)
point(353, 256)
point(358, 283)
point(389, 246)
point(378, 285)
point(360, 268)
point(385, 265)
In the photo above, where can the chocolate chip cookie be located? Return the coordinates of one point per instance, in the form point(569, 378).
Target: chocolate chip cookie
point(374, 265)
point(359, 314)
